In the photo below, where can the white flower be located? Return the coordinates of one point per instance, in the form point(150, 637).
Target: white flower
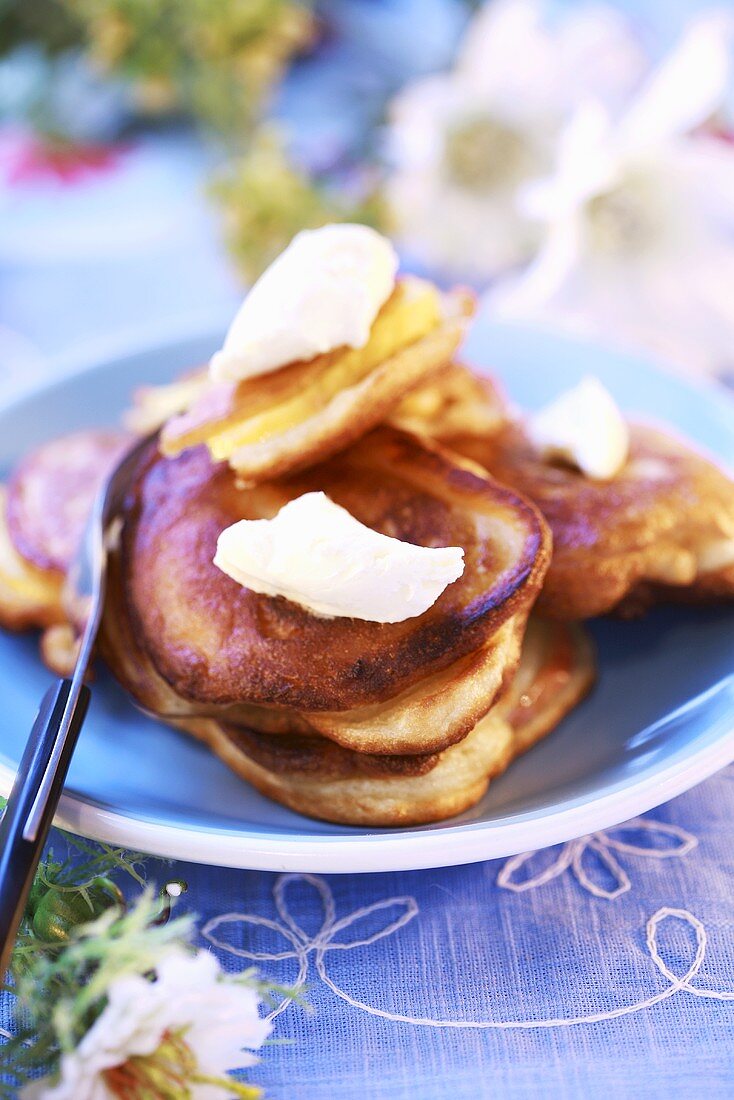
point(192, 1015)
point(463, 143)
point(516, 49)
point(638, 218)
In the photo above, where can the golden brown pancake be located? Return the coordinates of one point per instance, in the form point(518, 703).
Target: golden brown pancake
point(453, 402)
point(663, 528)
point(42, 517)
point(42, 514)
point(152, 406)
point(437, 712)
point(29, 597)
point(59, 648)
point(51, 492)
point(216, 642)
point(323, 780)
point(293, 418)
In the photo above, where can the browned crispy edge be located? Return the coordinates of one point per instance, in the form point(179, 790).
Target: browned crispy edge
point(359, 408)
point(263, 765)
point(433, 645)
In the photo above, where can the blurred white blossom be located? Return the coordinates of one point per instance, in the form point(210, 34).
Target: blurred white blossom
point(462, 144)
point(638, 217)
point(176, 1035)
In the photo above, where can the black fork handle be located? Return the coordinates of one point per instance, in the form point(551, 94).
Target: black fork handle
point(19, 853)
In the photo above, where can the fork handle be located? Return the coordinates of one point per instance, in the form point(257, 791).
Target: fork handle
point(19, 855)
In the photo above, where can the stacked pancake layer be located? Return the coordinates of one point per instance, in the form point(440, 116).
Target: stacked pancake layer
point(662, 528)
point(294, 417)
point(321, 779)
point(362, 723)
point(370, 724)
point(433, 708)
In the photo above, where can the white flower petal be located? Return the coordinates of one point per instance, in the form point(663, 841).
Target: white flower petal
point(218, 1018)
point(455, 231)
point(595, 44)
point(598, 46)
point(587, 164)
point(546, 282)
point(705, 166)
point(418, 117)
point(499, 34)
point(686, 89)
point(465, 218)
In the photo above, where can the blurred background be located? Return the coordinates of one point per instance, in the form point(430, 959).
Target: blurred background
point(572, 161)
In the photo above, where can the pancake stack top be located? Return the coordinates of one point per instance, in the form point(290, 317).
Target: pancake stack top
point(339, 378)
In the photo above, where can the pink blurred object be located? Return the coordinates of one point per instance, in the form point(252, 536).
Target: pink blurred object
point(26, 157)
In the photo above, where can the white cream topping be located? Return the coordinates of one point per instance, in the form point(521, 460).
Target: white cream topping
point(323, 292)
point(316, 554)
point(584, 427)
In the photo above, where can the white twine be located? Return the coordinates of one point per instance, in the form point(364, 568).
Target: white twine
point(604, 844)
point(301, 942)
point(323, 942)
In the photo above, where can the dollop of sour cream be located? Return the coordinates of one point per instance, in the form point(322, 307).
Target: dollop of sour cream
point(323, 292)
point(316, 554)
point(584, 427)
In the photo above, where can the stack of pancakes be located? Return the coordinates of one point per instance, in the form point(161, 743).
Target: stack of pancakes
point(360, 722)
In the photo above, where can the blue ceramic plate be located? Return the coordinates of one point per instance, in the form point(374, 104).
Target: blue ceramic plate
point(660, 720)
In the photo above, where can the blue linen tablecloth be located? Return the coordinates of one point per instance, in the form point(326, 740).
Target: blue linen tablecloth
point(458, 983)
point(608, 975)
point(603, 968)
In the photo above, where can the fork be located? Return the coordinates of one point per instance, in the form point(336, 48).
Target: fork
point(45, 761)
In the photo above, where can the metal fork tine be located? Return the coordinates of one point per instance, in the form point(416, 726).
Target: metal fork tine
point(88, 580)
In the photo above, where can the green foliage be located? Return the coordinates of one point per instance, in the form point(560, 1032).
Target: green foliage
point(74, 904)
point(62, 991)
point(79, 935)
point(265, 200)
point(211, 60)
point(43, 22)
point(69, 892)
point(216, 60)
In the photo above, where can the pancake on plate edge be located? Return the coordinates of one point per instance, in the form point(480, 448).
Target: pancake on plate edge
point(341, 717)
point(660, 529)
point(412, 686)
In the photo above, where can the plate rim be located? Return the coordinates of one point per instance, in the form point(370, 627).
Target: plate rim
point(387, 850)
point(379, 850)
